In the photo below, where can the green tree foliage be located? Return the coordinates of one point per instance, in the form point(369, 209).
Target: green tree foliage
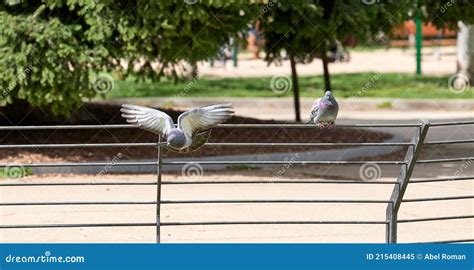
point(52, 51)
point(447, 13)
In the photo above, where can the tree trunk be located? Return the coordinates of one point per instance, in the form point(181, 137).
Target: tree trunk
point(327, 78)
point(296, 88)
point(465, 50)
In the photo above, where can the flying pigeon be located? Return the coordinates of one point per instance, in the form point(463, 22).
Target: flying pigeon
point(193, 126)
point(324, 111)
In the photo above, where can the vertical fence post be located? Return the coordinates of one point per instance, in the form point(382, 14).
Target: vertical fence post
point(158, 191)
point(402, 181)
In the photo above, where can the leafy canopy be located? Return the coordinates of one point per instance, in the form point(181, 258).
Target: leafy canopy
point(52, 50)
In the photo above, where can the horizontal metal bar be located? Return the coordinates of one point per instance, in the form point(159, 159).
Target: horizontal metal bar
point(308, 144)
point(446, 241)
point(189, 202)
point(217, 162)
point(434, 219)
point(451, 123)
point(81, 164)
point(438, 199)
point(66, 127)
point(97, 145)
point(197, 183)
point(273, 201)
point(76, 145)
point(39, 226)
point(314, 126)
point(58, 127)
point(449, 179)
point(449, 142)
point(414, 181)
point(75, 203)
point(271, 222)
point(46, 184)
point(300, 162)
point(464, 159)
point(276, 182)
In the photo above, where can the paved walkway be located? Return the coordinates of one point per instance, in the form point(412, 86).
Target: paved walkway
point(351, 108)
point(74, 214)
point(390, 60)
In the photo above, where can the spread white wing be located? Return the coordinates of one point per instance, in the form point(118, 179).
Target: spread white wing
point(149, 119)
point(204, 118)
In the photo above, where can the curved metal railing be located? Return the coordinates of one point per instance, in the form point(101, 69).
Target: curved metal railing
point(393, 203)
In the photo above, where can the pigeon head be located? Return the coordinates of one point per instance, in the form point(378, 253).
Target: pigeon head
point(328, 95)
point(176, 139)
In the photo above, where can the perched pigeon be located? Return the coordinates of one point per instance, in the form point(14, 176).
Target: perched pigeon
point(324, 111)
point(192, 131)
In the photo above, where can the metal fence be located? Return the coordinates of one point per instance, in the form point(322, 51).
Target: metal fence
point(393, 203)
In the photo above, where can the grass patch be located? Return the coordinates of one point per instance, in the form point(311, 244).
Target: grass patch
point(385, 105)
point(365, 48)
point(363, 85)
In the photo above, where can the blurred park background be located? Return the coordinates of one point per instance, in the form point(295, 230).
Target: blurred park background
point(56, 55)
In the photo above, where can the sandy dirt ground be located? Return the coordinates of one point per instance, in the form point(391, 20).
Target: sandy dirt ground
point(408, 232)
point(353, 108)
point(349, 109)
point(436, 61)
